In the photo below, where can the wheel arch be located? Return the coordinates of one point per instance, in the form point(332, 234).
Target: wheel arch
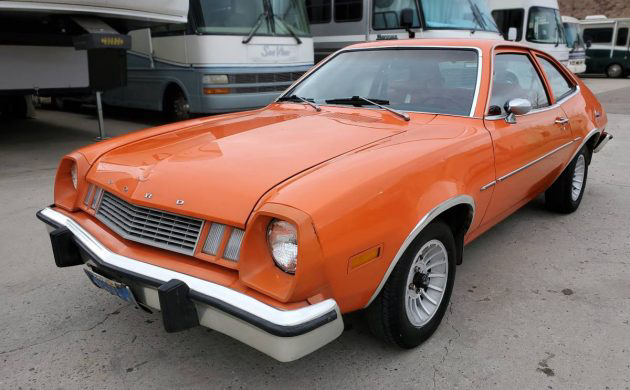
point(170, 86)
point(457, 212)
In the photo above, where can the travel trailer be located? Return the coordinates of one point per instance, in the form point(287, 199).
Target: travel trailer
point(577, 48)
point(339, 23)
point(60, 47)
point(607, 45)
point(232, 55)
point(536, 23)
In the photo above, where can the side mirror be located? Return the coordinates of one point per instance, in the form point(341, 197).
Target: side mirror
point(589, 43)
point(406, 21)
point(512, 34)
point(517, 107)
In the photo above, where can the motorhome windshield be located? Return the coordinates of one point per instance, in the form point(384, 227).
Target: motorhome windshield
point(574, 38)
point(240, 17)
point(386, 14)
point(458, 15)
point(544, 25)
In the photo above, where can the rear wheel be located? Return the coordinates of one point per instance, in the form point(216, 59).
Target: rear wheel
point(614, 71)
point(176, 106)
point(565, 195)
point(414, 299)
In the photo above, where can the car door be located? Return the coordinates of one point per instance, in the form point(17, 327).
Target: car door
point(527, 157)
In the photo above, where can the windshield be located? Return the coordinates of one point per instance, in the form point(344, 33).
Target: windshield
point(458, 14)
point(545, 26)
point(386, 14)
point(439, 81)
point(574, 38)
point(238, 17)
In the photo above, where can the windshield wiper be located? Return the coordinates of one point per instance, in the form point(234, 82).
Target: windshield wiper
point(255, 27)
point(289, 28)
point(360, 101)
point(477, 15)
point(294, 98)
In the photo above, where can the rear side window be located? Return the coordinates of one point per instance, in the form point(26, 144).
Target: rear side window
point(622, 36)
point(318, 11)
point(560, 86)
point(516, 77)
point(598, 35)
point(348, 10)
point(507, 18)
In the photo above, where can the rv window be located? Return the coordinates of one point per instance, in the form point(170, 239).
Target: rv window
point(560, 86)
point(458, 15)
point(348, 10)
point(622, 37)
point(318, 11)
point(544, 25)
point(507, 18)
point(386, 14)
point(598, 35)
point(515, 77)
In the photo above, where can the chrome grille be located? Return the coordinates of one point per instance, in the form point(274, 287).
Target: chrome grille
point(149, 226)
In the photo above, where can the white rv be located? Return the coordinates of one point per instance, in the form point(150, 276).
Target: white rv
point(536, 23)
point(56, 47)
point(338, 23)
point(577, 47)
point(232, 55)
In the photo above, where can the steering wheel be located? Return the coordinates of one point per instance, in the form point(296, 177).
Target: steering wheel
point(439, 101)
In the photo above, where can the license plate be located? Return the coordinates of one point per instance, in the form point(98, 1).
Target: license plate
point(118, 289)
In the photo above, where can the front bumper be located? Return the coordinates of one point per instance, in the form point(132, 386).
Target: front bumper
point(602, 141)
point(285, 335)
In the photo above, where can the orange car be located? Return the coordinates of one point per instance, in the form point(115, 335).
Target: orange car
point(357, 189)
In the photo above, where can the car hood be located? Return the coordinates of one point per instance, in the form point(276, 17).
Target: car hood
point(219, 170)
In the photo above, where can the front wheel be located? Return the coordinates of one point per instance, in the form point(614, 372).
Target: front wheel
point(176, 106)
point(565, 195)
point(414, 299)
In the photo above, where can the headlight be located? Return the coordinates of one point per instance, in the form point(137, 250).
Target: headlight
point(215, 79)
point(282, 239)
point(74, 175)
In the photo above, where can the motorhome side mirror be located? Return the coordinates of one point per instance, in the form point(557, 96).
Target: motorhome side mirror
point(512, 34)
point(589, 44)
point(517, 107)
point(406, 21)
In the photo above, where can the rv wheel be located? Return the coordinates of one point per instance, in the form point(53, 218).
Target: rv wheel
point(614, 71)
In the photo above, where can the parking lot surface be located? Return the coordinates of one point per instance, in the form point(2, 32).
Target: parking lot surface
point(541, 301)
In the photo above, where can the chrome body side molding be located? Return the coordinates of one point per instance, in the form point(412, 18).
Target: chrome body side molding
point(424, 221)
point(529, 164)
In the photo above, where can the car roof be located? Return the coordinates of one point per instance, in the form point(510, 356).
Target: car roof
point(484, 45)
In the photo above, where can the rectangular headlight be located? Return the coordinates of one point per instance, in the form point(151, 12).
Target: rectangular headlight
point(215, 79)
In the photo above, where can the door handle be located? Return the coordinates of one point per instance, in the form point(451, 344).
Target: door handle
point(562, 121)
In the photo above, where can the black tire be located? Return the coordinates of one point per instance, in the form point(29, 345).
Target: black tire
point(562, 197)
point(176, 106)
point(387, 315)
point(614, 71)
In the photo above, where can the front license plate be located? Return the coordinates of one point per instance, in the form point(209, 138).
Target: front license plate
point(118, 289)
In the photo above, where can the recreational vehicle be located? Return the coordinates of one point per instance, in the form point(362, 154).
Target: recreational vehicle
point(339, 23)
point(536, 23)
point(57, 47)
point(577, 49)
point(232, 55)
point(607, 45)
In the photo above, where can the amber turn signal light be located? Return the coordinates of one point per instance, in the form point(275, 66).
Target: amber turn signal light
point(216, 91)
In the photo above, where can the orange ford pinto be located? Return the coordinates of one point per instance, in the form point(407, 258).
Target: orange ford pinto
point(356, 189)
